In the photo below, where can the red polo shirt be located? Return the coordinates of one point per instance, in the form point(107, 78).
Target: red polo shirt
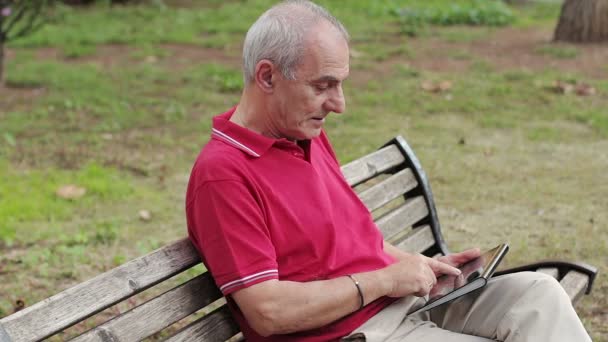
point(261, 208)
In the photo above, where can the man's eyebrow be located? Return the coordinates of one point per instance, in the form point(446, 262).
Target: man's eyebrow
point(329, 79)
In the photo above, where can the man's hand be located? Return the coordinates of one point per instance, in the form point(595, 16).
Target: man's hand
point(415, 274)
point(458, 259)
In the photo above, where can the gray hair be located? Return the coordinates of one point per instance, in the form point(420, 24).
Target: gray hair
point(278, 35)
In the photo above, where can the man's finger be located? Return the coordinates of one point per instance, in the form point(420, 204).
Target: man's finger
point(442, 268)
point(469, 253)
point(457, 259)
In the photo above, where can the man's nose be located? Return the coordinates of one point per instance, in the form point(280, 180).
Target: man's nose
point(336, 102)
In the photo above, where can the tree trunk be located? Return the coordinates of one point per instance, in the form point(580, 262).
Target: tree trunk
point(583, 21)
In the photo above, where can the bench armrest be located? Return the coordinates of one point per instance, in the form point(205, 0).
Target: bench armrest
point(563, 268)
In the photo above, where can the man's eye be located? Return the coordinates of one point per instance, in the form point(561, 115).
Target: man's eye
point(321, 87)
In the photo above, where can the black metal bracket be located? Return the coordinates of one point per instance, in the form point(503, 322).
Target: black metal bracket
point(563, 267)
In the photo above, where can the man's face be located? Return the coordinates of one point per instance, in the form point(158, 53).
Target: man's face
point(300, 106)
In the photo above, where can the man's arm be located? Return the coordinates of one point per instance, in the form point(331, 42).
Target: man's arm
point(281, 307)
point(394, 251)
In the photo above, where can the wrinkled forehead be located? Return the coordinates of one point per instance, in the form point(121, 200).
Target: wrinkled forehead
point(326, 54)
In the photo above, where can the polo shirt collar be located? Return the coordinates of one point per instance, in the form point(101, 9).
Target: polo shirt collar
point(250, 142)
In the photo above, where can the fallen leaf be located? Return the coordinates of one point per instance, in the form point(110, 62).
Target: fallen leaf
point(439, 87)
point(563, 87)
point(151, 59)
point(580, 89)
point(71, 192)
point(444, 85)
point(19, 305)
point(428, 86)
point(584, 89)
point(145, 215)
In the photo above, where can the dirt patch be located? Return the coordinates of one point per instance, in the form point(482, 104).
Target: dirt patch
point(173, 56)
point(505, 49)
point(13, 97)
point(107, 55)
point(511, 48)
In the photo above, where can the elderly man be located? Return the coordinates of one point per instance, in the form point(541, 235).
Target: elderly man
point(292, 247)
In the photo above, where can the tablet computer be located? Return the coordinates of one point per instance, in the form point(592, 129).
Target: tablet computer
point(475, 275)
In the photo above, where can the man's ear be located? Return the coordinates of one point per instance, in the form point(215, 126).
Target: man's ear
point(264, 75)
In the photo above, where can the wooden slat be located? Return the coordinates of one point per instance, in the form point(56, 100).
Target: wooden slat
point(412, 211)
point(85, 299)
point(216, 326)
point(389, 189)
point(375, 163)
point(157, 313)
point(4, 335)
point(575, 284)
point(552, 271)
point(418, 240)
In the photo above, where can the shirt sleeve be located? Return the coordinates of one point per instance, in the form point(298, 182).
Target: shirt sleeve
point(227, 226)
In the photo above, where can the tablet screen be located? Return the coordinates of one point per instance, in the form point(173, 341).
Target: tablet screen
point(470, 271)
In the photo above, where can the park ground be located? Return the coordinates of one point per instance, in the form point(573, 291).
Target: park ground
point(118, 100)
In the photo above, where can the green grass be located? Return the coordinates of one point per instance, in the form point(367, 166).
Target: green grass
point(537, 13)
point(461, 34)
point(563, 52)
point(31, 195)
point(79, 50)
point(104, 24)
point(146, 50)
point(86, 102)
point(218, 77)
point(508, 158)
point(414, 16)
point(116, 24)
point(382, 51)
point(545, 133)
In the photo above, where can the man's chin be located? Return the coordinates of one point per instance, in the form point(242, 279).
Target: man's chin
point(306, 133)
point(312, 133)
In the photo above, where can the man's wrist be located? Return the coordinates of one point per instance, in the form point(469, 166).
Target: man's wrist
point(359, 291)
point(374, 284)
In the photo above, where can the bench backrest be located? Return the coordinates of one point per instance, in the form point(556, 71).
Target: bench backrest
point(389, 181)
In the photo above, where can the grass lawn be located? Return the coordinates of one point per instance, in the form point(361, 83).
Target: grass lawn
point(118, 101)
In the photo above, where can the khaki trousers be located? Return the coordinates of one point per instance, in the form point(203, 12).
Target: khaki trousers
point(526, 306)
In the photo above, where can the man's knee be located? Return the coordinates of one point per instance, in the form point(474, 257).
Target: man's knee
point(542, 284)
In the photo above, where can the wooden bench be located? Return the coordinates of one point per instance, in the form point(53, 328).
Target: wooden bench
point(390, 182)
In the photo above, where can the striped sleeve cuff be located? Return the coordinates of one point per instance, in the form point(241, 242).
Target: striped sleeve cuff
point(249, 280)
